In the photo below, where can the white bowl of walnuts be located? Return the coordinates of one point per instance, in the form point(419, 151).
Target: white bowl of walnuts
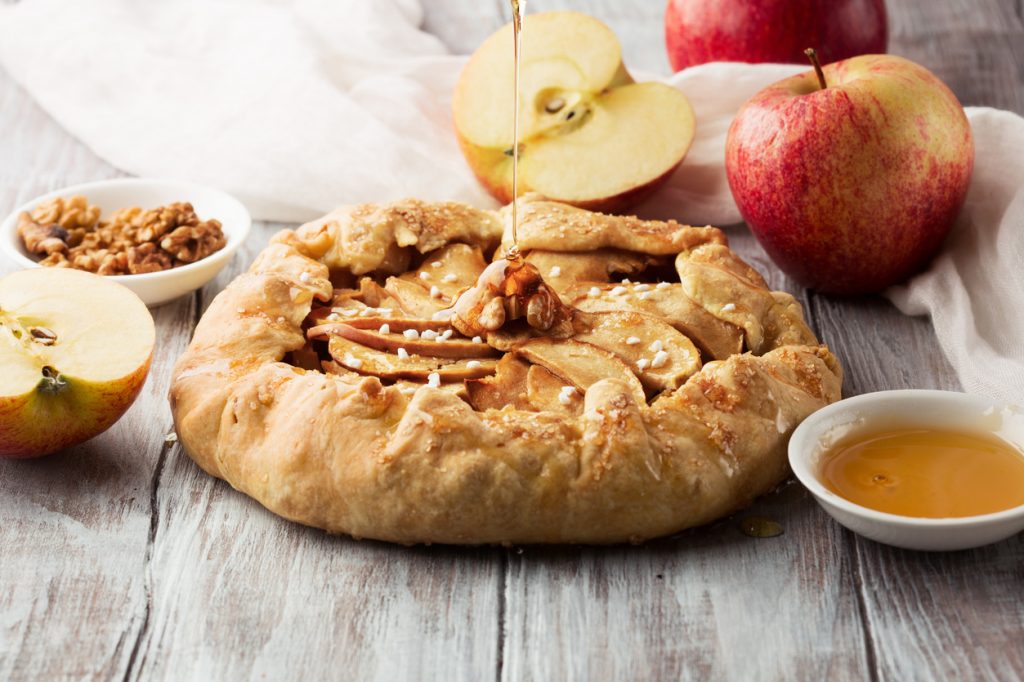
point(160, 238)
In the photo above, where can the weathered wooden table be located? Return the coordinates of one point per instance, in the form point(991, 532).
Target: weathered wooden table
point(121, 559)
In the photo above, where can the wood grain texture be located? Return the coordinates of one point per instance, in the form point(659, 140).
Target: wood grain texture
point(682, 608)
point(975, 46)
point(274, 598)
point(77, 525)
point(120, 559)
point(934, 616)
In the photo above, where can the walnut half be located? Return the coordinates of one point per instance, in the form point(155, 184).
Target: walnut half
point(190, 243)
point(508, 291)
point(42, 239)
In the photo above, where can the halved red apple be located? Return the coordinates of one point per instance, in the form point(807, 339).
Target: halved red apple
point(589, 135)
point(75, 350)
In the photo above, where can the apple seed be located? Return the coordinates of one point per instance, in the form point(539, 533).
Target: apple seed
point(554, 105)
point(43, 336)
point(574, 118)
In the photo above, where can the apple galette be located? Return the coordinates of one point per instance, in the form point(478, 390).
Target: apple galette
point(373, 373)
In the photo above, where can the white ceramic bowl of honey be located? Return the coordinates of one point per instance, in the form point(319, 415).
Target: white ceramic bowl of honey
point(914, 451)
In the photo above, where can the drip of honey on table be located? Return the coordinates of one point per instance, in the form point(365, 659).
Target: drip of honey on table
point(926, 473)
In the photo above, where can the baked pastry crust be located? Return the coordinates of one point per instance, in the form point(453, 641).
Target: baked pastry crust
point(409, 462)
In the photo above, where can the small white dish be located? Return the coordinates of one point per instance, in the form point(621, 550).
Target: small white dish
point(910, 408)
point(153, 288)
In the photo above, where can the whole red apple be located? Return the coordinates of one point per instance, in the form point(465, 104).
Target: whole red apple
point(851, 187)
point(699, 31)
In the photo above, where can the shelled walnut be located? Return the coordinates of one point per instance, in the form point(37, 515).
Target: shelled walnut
point(69, 233)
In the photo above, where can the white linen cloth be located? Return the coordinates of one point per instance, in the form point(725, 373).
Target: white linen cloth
point(298, 107)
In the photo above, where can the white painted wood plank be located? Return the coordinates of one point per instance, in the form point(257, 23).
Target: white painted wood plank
point(281, 601)
point(935, 616)
point(975, 46)
point(75, 539)
point(945, 616)
point(76, 525)
point(710, 604)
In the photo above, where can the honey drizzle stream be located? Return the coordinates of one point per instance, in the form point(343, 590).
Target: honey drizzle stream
point(518, 10)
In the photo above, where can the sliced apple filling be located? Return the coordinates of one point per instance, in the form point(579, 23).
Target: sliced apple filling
point(522, 386)
point(661, 357)
point(539, 369)
point(429, 342)
point(564, 271)
point(716, 338)
point(580, 364)
point(507, 335)
point(595, 297)
point(362, 359)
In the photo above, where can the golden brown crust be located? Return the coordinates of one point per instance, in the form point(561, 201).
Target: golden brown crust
point(349, 454)
point(553, 226)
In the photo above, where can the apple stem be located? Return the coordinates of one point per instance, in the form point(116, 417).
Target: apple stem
point(52, 381)
point(813, 56)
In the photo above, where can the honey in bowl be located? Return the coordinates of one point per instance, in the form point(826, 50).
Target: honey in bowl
point(926, 473)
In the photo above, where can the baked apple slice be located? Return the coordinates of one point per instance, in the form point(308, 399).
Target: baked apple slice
point(358, 358)
point(75, 349)
point(580, 364)
point(369, 300)
point(547, 392)
point(518, 384)
point(589, 135)
point(716, 338)
point(565, 270)
point(428, 342)
point(415, 298)
point(435, 285)
point(372, 318)
point(399, 324)
point(661, 357)
point(452, 269)
point(506, 387)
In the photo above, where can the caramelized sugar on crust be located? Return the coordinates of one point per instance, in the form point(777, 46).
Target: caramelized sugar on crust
point(373, 374)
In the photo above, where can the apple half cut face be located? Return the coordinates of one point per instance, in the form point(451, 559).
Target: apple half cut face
point(75, 350)
point(588, 135)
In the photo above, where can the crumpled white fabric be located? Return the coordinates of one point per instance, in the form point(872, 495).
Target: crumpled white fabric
point(298, 107)
point(974, 289)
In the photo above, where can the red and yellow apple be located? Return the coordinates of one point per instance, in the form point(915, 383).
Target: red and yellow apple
point(851, 186)
point(589, 135)
point(699, 31)
point(75, 350)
